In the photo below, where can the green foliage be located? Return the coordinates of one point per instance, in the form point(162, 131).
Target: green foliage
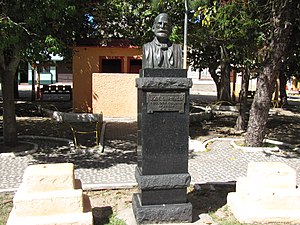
point(113, 220)
point(232, 25)
point(133, 19)
point(39, 27)
point(120, 19)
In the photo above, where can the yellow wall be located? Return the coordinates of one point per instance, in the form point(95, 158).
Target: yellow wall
point(85, 63)
point(295, 84)
point(115, 95)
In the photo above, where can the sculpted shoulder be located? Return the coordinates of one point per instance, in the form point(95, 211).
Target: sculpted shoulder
point(147, 55)
point(147, 50)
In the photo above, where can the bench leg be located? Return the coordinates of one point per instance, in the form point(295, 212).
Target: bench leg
point(74, 136)
point(101, 138)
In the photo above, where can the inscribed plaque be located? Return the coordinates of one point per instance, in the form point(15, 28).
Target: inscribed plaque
point(165, 102)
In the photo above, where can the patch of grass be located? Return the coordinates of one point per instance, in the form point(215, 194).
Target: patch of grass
point(269, 145)
point(242, 143)
point(113, 220)
point(6, 205)
point(223, 216)
point(208, 146)
point(229, 222)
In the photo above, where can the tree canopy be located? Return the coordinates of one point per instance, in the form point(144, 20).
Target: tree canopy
point(39, 27)
point(31, 30)
point(132, 19)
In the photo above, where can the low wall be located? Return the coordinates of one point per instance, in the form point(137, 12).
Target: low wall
point(115, 95)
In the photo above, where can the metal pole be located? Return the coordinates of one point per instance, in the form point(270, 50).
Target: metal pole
point(185, 35)
point(32, 83)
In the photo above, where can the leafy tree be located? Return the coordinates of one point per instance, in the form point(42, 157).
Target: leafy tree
point(31, 30)
point(291, 66)
point(133, 19)
point(280, 18)
point(222, 37)
point(115, 19)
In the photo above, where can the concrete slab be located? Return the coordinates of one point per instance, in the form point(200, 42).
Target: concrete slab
point(50, 203)
point(63, 219)
point(271, 175)
point(49, 177)
point(246, 212)
point(50, 195)
point(268, 194)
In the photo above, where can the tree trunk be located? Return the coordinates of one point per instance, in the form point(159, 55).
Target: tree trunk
point(225, 76)
point(16, 86)
point(260, 108)
point(275, 95)
point(32, 83)
point(216, 78)
point(282, 89)
point(9, 61)
point(241, 122)
point(9, 117)
point(272, 58)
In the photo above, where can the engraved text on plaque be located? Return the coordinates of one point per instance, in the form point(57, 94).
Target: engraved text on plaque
point(169, 102)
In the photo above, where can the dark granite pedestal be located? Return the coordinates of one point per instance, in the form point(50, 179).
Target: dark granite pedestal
point(163, 132)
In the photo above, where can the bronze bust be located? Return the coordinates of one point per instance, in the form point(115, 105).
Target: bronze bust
point(161, 52)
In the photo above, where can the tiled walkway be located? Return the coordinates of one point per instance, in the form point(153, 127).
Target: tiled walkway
point(115, 168)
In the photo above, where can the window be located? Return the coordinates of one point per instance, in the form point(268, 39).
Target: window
point(111, 66)
point(135, 65)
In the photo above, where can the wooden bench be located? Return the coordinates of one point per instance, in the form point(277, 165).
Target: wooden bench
point(56, 89)
point(81, 124)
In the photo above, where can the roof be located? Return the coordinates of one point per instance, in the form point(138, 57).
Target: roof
point(120, 43)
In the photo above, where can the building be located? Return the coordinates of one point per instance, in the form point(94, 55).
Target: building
point(53, 71)
point(104, 74)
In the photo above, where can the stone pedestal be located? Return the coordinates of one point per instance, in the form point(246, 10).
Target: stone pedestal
point(163, 131)
point(268, 194)
point(49, 195)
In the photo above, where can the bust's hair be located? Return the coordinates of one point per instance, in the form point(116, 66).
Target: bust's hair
point(160, 15)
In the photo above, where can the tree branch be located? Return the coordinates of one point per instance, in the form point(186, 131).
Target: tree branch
point(15, 57)
point(2, 63)
point(7, 18)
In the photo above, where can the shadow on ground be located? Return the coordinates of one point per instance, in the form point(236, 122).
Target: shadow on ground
point(205, 198)
point(120, 138)
point(119, 148)
point(209, 197)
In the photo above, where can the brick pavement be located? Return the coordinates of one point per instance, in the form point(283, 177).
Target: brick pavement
point(115, 167)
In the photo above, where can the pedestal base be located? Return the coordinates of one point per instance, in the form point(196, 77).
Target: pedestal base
point(161, 213)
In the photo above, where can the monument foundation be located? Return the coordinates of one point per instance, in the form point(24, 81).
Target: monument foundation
point(268, 194)
point(163, 131)
point(49, 195)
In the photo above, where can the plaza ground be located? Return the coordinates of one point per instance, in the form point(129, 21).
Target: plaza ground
point(218, 167)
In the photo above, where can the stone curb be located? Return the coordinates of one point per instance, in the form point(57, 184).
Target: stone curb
point(35, 148)
point(263, 149)
point(202, 148)
point(252, 149)
point(22, 153)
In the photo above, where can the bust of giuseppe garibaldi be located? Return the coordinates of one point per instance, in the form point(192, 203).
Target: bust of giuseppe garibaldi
point(161, 52)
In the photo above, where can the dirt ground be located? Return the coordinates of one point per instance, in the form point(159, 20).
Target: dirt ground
point(283, 125)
